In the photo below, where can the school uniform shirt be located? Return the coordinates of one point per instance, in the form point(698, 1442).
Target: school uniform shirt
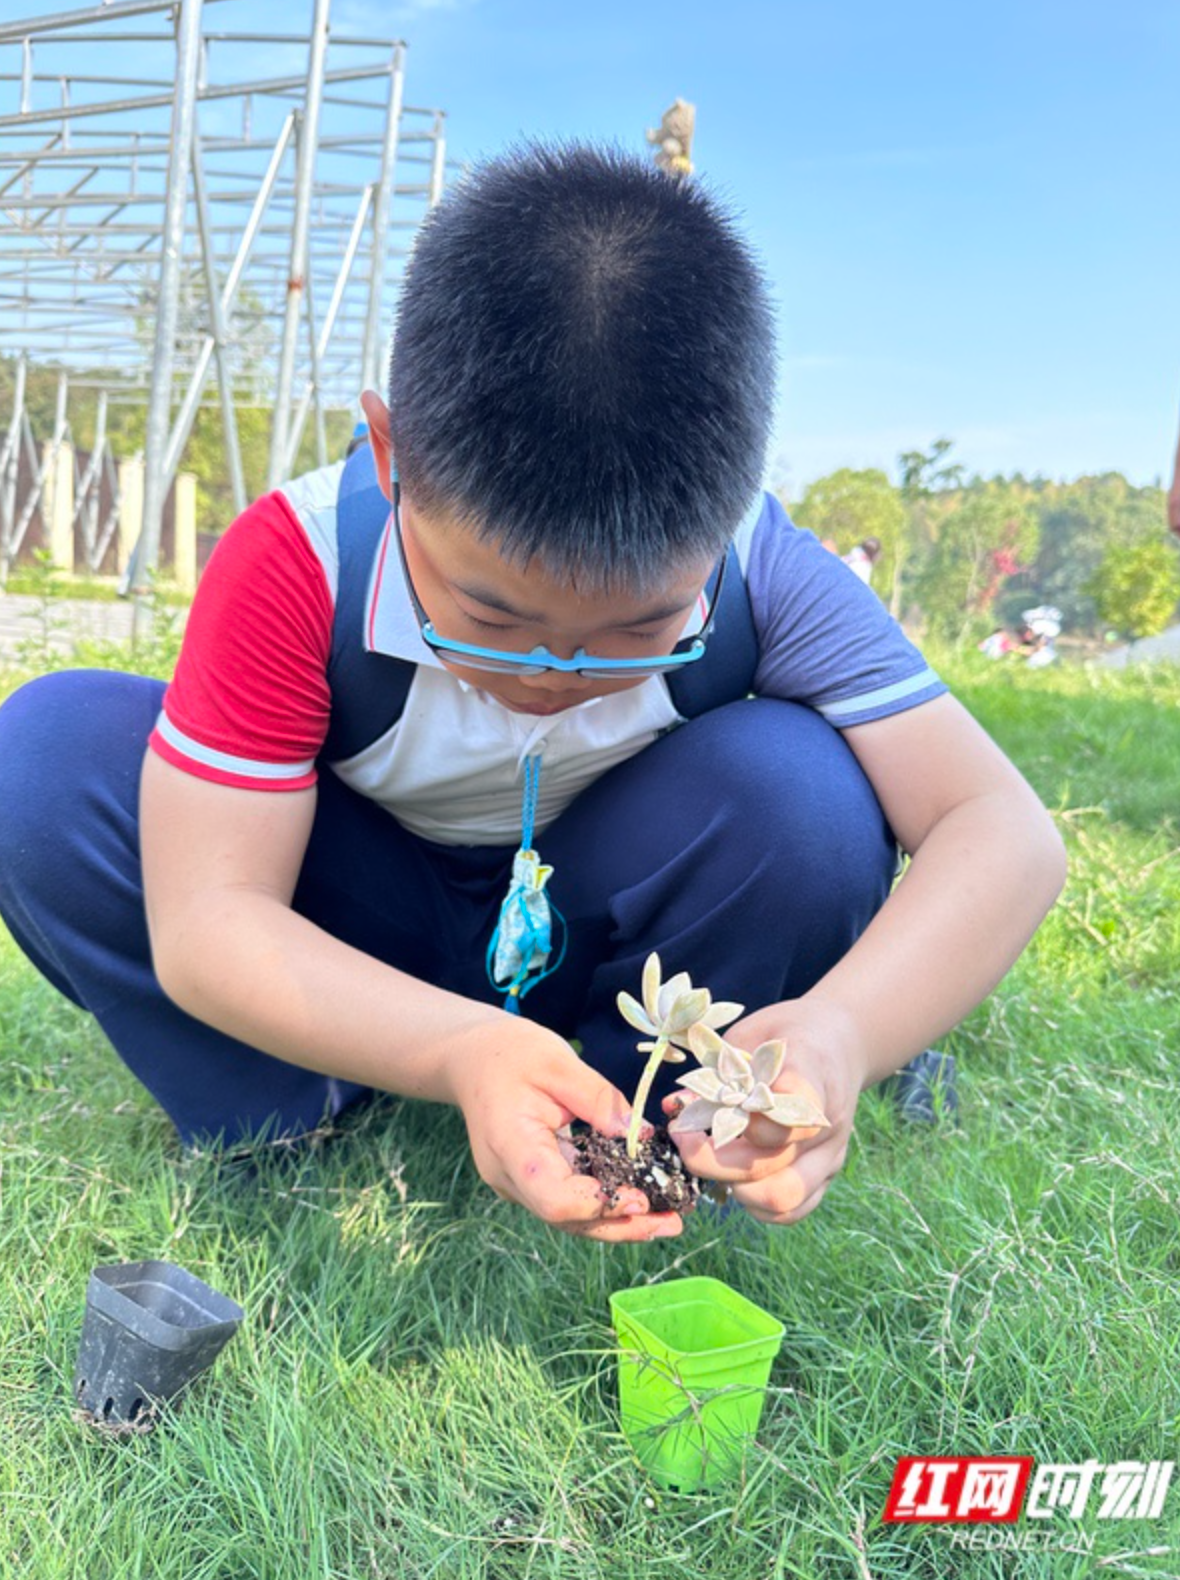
point(250, 700)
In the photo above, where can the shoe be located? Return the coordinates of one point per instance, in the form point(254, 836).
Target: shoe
point(924, 1089)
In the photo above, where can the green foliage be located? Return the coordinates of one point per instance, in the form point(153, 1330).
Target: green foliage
point(204, 453)
point(928, 480)
point(153, 650)
point(847, 507)
point(1137, 586)
point(980, 540)
point(1079, 521)
point(40, 648)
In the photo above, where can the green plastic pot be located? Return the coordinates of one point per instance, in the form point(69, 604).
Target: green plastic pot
point(695, 1360)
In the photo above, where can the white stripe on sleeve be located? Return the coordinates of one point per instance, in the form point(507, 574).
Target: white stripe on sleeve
point(868, 700)
point(244, 766)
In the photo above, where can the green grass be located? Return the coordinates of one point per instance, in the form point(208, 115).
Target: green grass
point(424, 1382)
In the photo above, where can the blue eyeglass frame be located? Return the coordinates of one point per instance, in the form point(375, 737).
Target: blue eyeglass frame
point(687, 651)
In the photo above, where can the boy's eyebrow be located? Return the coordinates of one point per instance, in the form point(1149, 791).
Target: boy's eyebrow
point(493, 600)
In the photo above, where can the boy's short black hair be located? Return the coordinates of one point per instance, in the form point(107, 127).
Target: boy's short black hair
point(583, 365)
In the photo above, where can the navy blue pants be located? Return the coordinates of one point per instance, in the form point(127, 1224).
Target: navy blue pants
point(746, 846)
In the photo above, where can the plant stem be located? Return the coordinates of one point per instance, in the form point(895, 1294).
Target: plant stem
point(641, 1091)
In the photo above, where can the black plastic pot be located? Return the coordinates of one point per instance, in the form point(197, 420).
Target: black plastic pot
point(916, 1084)
point(150, 1328)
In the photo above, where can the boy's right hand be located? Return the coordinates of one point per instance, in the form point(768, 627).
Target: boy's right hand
point(519, 1086)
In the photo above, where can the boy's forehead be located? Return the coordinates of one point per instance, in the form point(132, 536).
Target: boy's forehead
point(474, 564)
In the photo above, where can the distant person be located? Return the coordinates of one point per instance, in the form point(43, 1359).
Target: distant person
point(1042, 627)
point(999, 644)
point(861, 559)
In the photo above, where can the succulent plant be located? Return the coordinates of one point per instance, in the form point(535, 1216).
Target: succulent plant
point(732, 1085)
point(667, 1014)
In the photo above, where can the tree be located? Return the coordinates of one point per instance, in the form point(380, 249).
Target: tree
point(926, 483)
point(1137, 586)
point(847, 507)
point(1080, 521)
point(987, 535)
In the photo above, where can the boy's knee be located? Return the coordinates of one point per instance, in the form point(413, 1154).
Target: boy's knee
point(61, 736)
point(791, 782)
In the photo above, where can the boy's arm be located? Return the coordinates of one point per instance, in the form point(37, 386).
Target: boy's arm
point(220, 868)
point(987, 865)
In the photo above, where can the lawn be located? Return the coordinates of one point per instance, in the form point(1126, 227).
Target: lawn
point(424, 1383)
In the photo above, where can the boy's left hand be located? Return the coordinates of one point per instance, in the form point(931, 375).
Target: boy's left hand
point(780, 1175)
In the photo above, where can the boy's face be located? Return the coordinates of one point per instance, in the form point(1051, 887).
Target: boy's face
point(472, 594)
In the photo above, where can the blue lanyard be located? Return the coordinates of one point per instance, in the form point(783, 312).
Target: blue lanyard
point(518, 954)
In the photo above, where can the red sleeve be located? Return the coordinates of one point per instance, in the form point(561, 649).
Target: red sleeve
point(249, 703)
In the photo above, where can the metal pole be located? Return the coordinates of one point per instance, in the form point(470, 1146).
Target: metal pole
point(225, 390)
point(9, 468)
point(269, 85)
point(309, 127)
point(98, 13)
point(188, 37)
point(192, 397)
point(376, 336)
point(438, 163)
point(329, 323)
point(321, 433)
point(26, 75)
point(45, 468)
point(89, 485)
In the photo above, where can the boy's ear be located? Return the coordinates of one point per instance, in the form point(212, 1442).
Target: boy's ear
point(377, 416)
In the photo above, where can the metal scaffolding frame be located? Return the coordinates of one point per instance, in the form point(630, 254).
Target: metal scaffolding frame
point(188, 229)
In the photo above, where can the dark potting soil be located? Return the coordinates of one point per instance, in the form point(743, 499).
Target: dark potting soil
point(658, 1170)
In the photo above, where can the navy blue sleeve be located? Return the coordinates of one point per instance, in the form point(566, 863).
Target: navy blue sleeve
point(826, 639)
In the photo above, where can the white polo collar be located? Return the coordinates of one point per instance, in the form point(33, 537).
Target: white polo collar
point(391, 626)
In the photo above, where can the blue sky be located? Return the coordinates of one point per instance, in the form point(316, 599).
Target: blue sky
point(970, 215)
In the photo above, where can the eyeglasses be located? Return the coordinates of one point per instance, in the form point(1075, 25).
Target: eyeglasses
point(540, 660)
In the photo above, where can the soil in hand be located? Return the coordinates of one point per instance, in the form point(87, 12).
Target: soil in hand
point(658, 1169)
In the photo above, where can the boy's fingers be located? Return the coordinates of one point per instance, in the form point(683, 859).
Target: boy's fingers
point(762, 1150)
point(591, 1097)
point(547, 1185)
point(764, 1133)
point(649, 1226)
point(737, 1161)
point(576, 1205)
point(796, 1192)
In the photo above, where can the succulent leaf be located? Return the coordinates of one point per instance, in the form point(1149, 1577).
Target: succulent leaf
point(697, 1115)
point(732, 1063)
point(766, 1062)
point(705, 1043)
point(729, 1125)
point(733, 1093)
point(672, 990)
point(634, 1014)
point(761, 1099)
point(721, 1013)
point(703, 1082)
point(792, 1108)
point(687, 1008)
point(651, 987)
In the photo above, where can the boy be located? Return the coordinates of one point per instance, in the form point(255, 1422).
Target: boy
point(539, 626)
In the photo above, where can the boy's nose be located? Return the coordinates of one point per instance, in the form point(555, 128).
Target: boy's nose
point(555, 680)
